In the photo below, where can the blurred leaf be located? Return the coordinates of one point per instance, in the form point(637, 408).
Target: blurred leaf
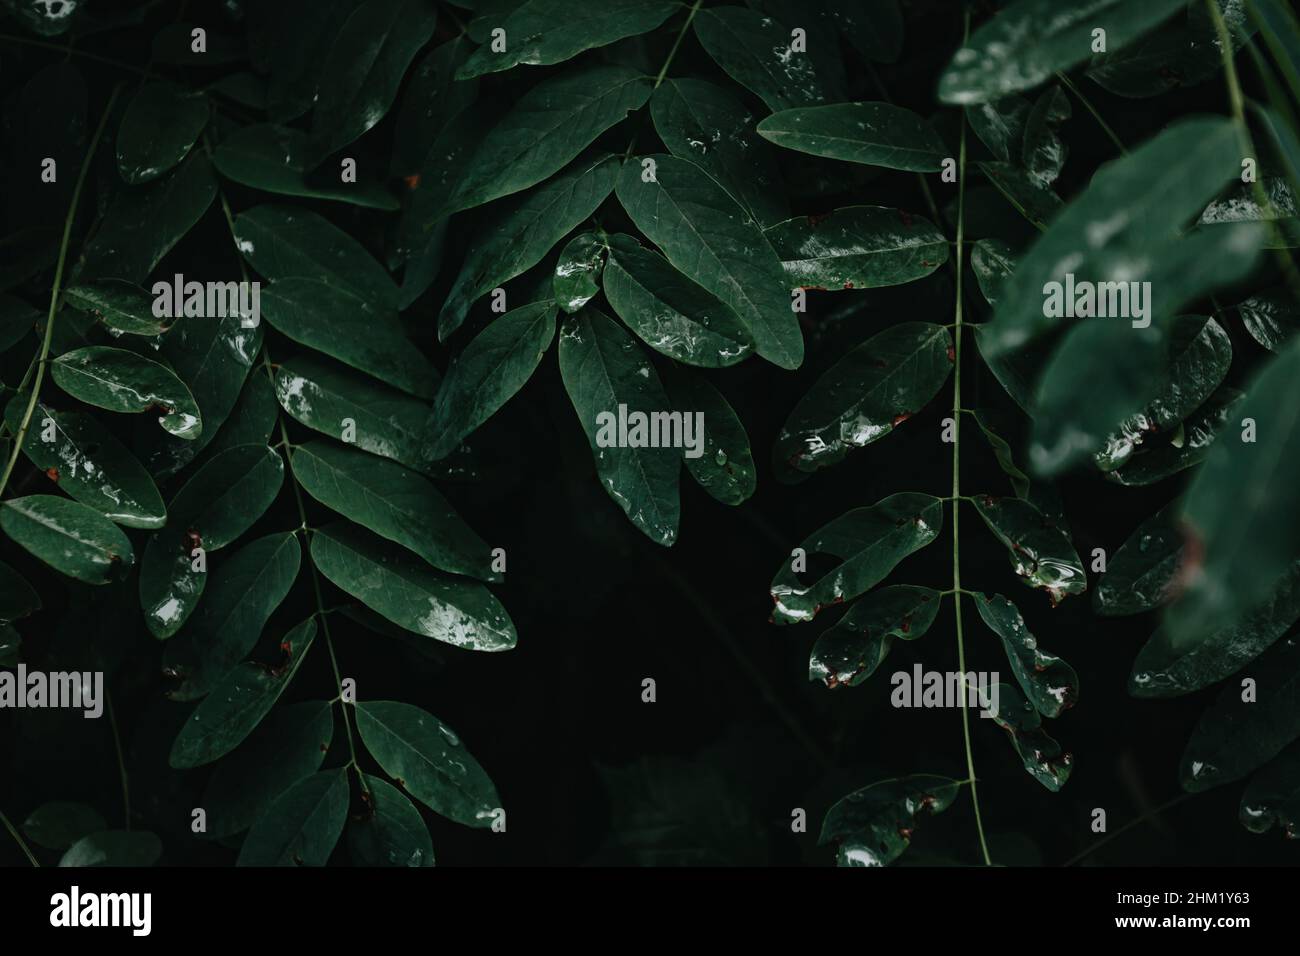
point(114, 848)
point(1273, 796)
point(59, 824)
point(18, 599)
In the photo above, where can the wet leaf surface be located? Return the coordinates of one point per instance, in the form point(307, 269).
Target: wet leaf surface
point(849, 653)
point(1039, 550)
point(389, 831)
point(1142, 574)
point(725, 466)
point(1041, 755)
point(875, 134)
point(1049, 682)
point(857, 247)
point(69, 537)
point(123, 381)
point(161, 124)
point(874, 825)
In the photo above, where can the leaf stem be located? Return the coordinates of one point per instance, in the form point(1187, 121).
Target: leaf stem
point(663, 70)
point(121, 761)
point(19, 837)
point(957, 589)
point(1105, 127)
point(1155, 812)
point(1238, 102)
point(56, 289)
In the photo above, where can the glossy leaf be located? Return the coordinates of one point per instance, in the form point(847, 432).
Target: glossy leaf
point(858, 247)
point(123, 381)
point(88, 463)
point(365, 67)
point(1273, 796)
point(756, 51)
point(1036, 202)
point(849, 653)
point(1166, 668)
point(705, 234)
point(547, 128)
point(1271, 318)
point(390, 831)
point(1040, 552)
point(866, 543)
point(275, 160)
point(432, 99)
point(541, 32)
point(877, 386)
point(875, 134)
point(1049, 682)
point(874, 825)
point(1041, 755)
point(1142, 574)
point(1186, 446)
point(1000, 125)
point(288, 746)
point(577, 271)
point(122, 306)
point(161, 124)
point(516, 236)
point(724, 466)
point(393, 502)
point(989, 424)
point(333, 320)
point(1236, 736)
point(1030, 40)
point(496, 364)
point(69, 537)
point(706, 124)
point(283, 242)
point(407, 592)
point(225, 718)
point(428, 760)
point(114, 848)
point(668, 311)
point(302, 826)
point(322, 394)
point(605, 374)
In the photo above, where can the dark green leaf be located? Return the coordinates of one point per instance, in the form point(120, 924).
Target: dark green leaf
point(287, 746)
point(122, 306)
point(302, 825)
point(1031, 39)
point(88, 463)
point(17, 598)
point(274, 159)
point(1036, 202)
point(323, 395)
point(577, 271)
point(365, 67)
point(114, 848)
point(518, 234)
point(1273, 796)
point(849, 653)
point(495, 365)
point(757, 52)
point(432, 99)
point(874, 825)
point(1000, 125)
point(668, 311)
point(989, 423)
point(123, 381)
point(1049, 682)
point(143, 223)
point(722, 465)
point(238, 703)
point(333, 320)
point(550, 125)
point(393, 502)
point(541, 32)
point(705, 124)
point(867, 544)
point(876, 387)
point(1236, 735)
point(161, 124)
point(1271, 318)
point(858, 247)
point(428, 760)
point(301, 33)
point(607, 377)
point(1164, 668)
point(283, 242)
point(1040, 754)
point(1142, 574)
point(706, 235)
point(1188, 445)
point(874, 134)
point(59, 824)
point(409, 593)
point(1040, 552)
point(391, 831)
point(1043, 152)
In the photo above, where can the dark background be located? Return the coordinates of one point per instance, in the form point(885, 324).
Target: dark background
point(738, 736)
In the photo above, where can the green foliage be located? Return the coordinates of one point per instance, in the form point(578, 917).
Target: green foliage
point(613, 208)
